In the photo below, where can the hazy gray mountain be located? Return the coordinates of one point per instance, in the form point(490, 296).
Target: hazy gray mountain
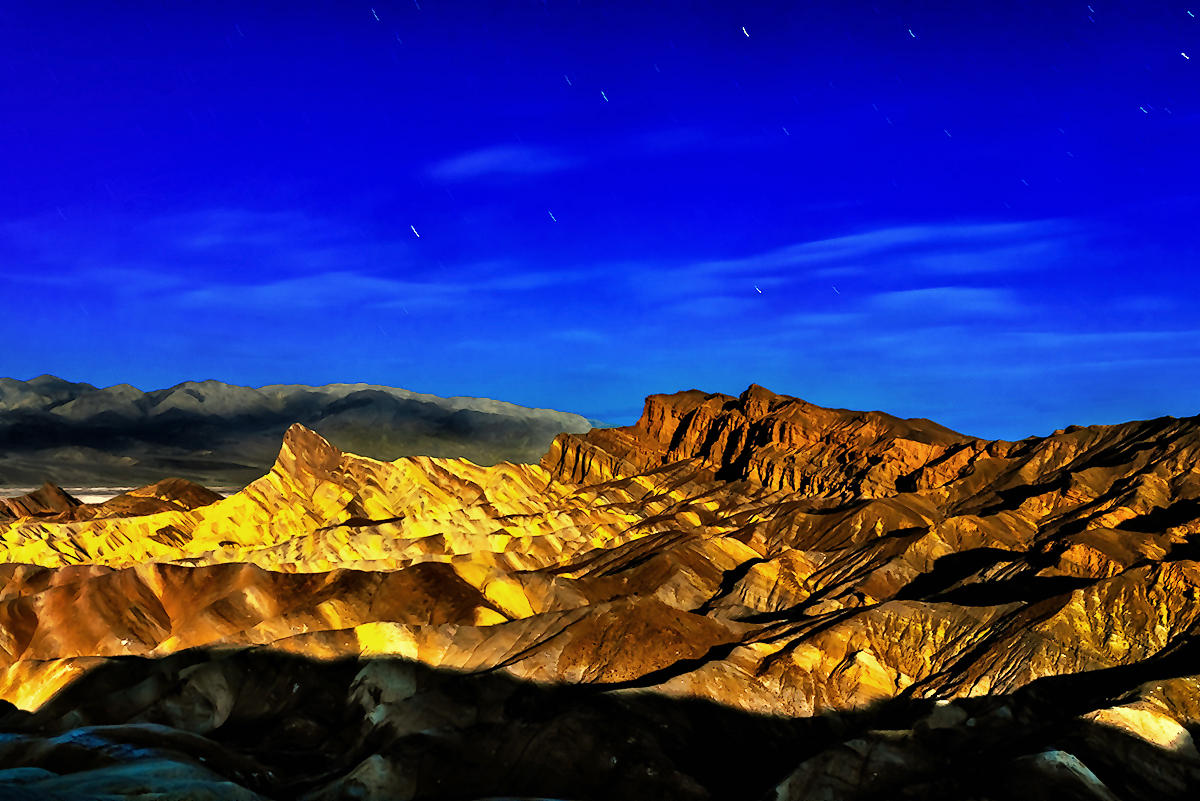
point(219, 434)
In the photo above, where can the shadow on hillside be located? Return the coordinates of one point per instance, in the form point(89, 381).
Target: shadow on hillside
point(288, 726)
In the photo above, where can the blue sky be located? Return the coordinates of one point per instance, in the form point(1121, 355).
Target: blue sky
point(978, 213)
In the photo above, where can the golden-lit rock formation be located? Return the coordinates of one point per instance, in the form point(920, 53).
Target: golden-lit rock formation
point(47, 500)
point(782, 560)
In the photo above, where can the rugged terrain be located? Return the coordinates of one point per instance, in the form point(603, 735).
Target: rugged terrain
point(742, 598)
point(75, 434)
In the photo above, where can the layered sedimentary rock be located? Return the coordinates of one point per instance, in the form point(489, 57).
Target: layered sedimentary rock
point(744, 597)
point(51, 503)
point(46, 500)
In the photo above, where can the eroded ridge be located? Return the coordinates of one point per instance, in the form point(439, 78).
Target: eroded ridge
point(760, 552)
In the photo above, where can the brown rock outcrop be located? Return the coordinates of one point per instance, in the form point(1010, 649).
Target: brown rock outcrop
point(54, 504)
point(43, 502)
point(859, 597)
point(770, 440)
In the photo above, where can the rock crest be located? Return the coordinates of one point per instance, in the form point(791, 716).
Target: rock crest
point(774, 441)
point(842, 604)
point(46, 500)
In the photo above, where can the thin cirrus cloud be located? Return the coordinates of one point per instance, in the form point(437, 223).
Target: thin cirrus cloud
point(322, 290)
point(940, 301)
point(927, 268)
point(243, 259)
point(951, 248)
point(499, 160)
point(215, 244)
point(518, 160)
point(1108, 339)
point(339, 288)
point(581, 336)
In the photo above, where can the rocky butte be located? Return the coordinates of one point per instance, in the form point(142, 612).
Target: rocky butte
point(734, 598)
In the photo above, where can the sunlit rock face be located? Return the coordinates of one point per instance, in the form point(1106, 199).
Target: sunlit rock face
point(748, 597)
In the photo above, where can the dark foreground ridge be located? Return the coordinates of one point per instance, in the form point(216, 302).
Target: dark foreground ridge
point(251, 724)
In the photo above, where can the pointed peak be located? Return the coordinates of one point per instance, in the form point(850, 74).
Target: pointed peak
point(55, 495)
point(756, 400)
point(302, 438)
point(46, 500)
point(306, 451)
point(756, 391)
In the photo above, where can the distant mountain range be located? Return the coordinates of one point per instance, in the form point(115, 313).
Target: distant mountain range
point(76, 434)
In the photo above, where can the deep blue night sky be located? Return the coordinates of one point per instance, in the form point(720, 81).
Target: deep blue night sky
point(982, 213)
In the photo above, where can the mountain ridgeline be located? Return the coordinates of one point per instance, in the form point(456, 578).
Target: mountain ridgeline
point(735, 598)
point(222, 435)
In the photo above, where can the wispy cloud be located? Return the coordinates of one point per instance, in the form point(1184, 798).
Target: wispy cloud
point(499, 160)
point(942, 301)
point(712, 306)
point(823, 320)
point(215, 244)
point(243, 259)
point(1106, 340)
point(517, 160)
point(459, 287)
point(942, 248)
point(981, 258)
point(325, 290)
point(581, 336)
point(891, 272)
